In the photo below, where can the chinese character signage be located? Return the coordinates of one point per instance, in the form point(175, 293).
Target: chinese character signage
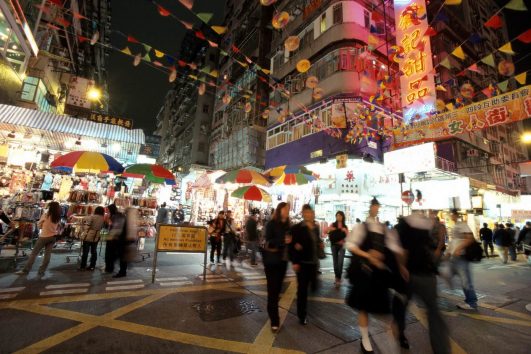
point(152, 146)
point(417, 82)
point(173, 238)
point(506, 108)
point(78, 88)
point(103, 118)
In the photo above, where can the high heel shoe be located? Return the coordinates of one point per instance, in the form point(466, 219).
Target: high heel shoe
point(365, 351)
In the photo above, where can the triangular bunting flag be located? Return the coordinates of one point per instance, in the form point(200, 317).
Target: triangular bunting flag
point(79, 16)
point(452, 2)
point(186, 25)
point(450, 106)
point(430, 32)
point(127, 51)
point(516, 5)
point(489, 60)
point(204, 16)
point(159, 54)
point(494, 22)
point(525, 37)
point(82, 39)
point(200, 35)
point(147, 58)
point(376, 17)
point(266, 71)
point(521, 78)
point(219, 29)
point(187, 3)
point(224, 53)
point(213, 44)
point(474, 68)
point(440, 88)
point(157, 63)
point(503, 85)
point(132, 39)
point(163, 11)
point(458, 52)
point(446, 63)
point(507, 49)
point(487, 92)
point(147, 48)
point(214, 73)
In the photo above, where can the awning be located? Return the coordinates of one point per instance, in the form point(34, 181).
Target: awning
point(11, 116)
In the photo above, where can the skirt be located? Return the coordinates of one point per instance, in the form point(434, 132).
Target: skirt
point(370, 292)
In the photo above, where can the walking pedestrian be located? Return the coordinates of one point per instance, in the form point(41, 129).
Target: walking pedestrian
point(163, 215)
point(49, 230)
point(337, 233)
point(374, 249)
point(421, 261)
point(524, 239)
point(485, 235)
point(304, 250)
point(127, 241)
point(462, 237)
point(116, 228)
point(216, 233)
point(513, 237)
point(178, 215)
point(275, 260)
point(251, 228)
point(229, 239)
point(91, 238)
point(502, 239)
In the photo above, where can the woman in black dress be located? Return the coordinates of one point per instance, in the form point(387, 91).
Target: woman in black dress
point(275, 260)
point(374, 248)
point(337, 232)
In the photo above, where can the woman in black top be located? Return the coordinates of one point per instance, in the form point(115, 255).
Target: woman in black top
point(275, 260)
point(337, 233)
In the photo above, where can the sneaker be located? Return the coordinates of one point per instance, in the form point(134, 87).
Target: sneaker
point(21, 272)
point(465, 306)
point(303, 322)
point(41, 274)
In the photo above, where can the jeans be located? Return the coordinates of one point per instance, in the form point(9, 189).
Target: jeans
point(228, 246)
point(461, 267)
point(306, 276)
point(275, 274)
point(338, 256)
point(215, 247)
point(111, 254)
point(93, 248)
point(503, 252)
point(42, 242)
point(486, 246)
point(251, 245)
point(512, 252)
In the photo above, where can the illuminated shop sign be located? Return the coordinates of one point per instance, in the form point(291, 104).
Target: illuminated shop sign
point(417, 83)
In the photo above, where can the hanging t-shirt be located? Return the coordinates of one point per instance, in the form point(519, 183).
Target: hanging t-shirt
point(65, 188)
point(47, 183)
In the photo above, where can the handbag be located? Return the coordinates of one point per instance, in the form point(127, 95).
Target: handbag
point(473, 252)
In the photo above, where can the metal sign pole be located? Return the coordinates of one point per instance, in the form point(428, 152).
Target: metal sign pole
point(205, 258)
point(155, 253)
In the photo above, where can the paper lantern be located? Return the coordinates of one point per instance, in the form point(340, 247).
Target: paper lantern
point(173, 76)
point(267, 2)
point(265, 114)
point(202, 89)
point(440, 105)
point(292, 43)
point(280, 20)
point(226, 99)
point(506, 68)
point(137, 60)
point(312, 82)
point(467, 90)
point(317, 93)
point(95, 38)
point(303, 65)
point(248, 107)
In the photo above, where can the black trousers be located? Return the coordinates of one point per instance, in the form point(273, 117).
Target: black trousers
point(306, 277)
point(111, 254)
point(486, 245)
point(215, 248)
point(275, 274)
point(93, 248)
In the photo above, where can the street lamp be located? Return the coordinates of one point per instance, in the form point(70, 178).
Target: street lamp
point(94, 94)
point(526, 138)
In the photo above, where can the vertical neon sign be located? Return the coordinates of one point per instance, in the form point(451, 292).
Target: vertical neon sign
point(417, 81)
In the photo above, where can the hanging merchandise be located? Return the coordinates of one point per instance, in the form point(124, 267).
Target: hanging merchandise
point(506, 68)
point(265, 114)
point(303, 65)
point(280, 20)
point(467, 90)
point(312, 82)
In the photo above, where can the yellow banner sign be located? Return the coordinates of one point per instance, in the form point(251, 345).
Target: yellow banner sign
point(173, 238)
point(502, 109)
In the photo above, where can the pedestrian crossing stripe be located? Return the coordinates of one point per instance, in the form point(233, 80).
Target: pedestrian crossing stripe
point(63, 292)
point(64, 286)
point(119, 282)
point(12, 290)
point(125, 287)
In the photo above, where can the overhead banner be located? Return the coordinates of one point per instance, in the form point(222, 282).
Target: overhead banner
point(104, 118)
point(417, 83)
point(502, 109)
point(419, 158)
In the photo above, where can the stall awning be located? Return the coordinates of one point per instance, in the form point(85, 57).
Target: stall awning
point(24, 117)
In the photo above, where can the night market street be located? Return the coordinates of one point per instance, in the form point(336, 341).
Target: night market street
point(69, 312)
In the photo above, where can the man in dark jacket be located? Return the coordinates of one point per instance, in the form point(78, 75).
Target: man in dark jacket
point(304, 254)
point(485, 235)
point(502, 239)
point(251, 227)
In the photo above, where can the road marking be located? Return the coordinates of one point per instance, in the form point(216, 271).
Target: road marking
point(506, 311)
point(177, 283)
point(218, 280)
point(212, 276)
point(124, 287)
point(256, 277)
point(171, 279)
point(64, 286)
point(12, 290)
point(116, 282)
point(63, 292)
point(498, 319)
point(7, 296)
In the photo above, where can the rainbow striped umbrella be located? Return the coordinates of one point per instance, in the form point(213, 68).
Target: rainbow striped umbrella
point(252, 193)
point(153, 173)
point(289, 179)
point(243, 176)
point(86, 162)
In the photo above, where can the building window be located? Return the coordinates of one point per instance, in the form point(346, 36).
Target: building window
point(367, 18)
point(323, 23)
point(338, 13)
point(205, 108)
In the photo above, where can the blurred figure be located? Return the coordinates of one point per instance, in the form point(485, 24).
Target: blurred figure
point(178, 215)
point(251, 227)
point(524, 238)
point(304, 249)
point(127, 241)
point(163, 215)
point(276, 260)
point(229, 238)
point(513, 237)
point(337, 233)
point(438, 236)
point(216, 233)
point(116, 228)
point(91, 238)
point(462, 237)
point(502, 239)
point(374, 249)
point(485, 235)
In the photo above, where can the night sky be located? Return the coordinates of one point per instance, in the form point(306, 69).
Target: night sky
point(138, 92)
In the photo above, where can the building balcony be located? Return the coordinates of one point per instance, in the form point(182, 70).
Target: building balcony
point(445, 165)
